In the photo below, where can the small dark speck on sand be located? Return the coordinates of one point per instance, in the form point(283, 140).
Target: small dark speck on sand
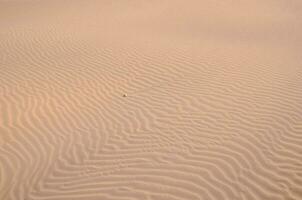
point(124, 95)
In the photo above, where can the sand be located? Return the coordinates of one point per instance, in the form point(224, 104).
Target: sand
point(150, 100)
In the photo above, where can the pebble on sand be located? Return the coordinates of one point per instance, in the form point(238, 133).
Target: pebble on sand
point(124, 95)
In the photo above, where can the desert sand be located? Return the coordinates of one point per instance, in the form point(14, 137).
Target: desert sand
point(150, 100)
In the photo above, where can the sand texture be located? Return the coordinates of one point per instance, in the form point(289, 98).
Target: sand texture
point(150, 100)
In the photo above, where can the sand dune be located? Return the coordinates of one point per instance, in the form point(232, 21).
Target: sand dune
point(212, 106)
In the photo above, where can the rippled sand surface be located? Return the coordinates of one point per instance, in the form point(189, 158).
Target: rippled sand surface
point(150, 100)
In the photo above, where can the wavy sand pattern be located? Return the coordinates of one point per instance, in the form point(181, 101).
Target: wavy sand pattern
point(213, 106)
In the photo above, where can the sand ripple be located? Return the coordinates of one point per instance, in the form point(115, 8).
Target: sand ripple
point(213, 107)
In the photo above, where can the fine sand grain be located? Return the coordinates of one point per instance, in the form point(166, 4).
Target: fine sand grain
point(150, 100)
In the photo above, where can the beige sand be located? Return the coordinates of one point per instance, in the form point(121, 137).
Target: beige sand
point(161, 100)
